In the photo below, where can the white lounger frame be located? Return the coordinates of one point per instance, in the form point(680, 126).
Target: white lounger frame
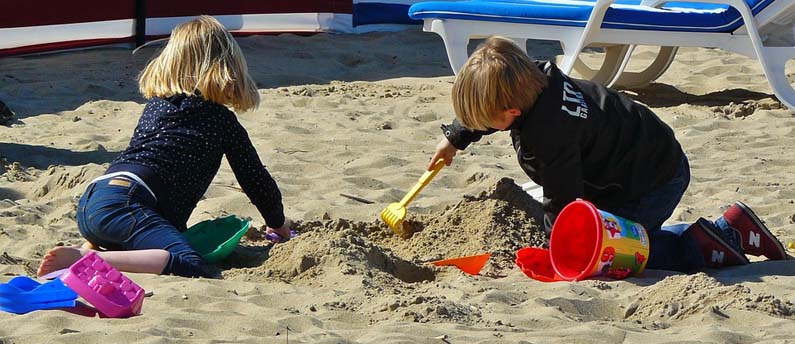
point(746, 40)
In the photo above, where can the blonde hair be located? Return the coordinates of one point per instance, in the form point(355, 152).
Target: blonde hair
point(497, 77)
point(201, 58)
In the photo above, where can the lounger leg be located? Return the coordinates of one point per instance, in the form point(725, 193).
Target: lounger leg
point(622, 65)
point(614, 54)
point(456, 46)
point(456, 39)
point(774, 61)
point(656, 69)
point(570, 43)
point(574, 44)
point(569, 59)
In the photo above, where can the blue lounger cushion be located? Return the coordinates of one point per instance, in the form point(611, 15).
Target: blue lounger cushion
point(682, 6)
point(575, 13)
point(396, 12)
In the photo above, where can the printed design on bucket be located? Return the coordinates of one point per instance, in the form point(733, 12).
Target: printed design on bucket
point(640, 232)
point(612, 228)
point(639, 258)
point(608, 254)
point(627, 235)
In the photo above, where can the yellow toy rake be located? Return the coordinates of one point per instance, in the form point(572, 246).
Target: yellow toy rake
point(395, 213)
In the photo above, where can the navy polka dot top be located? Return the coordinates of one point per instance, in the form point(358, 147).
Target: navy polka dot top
point(177, 149)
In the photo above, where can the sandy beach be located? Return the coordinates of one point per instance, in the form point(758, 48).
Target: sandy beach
point(359, 115)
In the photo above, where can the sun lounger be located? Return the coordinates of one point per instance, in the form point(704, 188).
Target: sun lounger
point(761, 29)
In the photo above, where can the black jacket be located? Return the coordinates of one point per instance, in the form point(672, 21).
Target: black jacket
point(583, 140)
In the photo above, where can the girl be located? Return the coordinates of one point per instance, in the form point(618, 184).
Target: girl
point(139, 208)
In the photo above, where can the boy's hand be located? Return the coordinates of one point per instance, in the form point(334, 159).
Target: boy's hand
point(444, 150)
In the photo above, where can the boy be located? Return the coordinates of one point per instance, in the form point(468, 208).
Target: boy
point(579, 139)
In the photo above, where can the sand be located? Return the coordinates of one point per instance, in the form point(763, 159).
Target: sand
point(359, 115)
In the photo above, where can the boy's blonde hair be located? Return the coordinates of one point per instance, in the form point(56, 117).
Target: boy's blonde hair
point(201, 58)
point(497, 77)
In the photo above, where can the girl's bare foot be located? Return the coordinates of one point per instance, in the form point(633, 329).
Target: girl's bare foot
point(60, 257)
point(88, 245)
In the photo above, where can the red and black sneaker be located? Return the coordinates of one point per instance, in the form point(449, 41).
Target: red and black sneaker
point(718, 249)
point(756, 239)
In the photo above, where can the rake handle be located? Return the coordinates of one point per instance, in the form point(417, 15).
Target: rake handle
point(424, 180)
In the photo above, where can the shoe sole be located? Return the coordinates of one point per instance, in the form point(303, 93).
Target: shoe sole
point(761, 227)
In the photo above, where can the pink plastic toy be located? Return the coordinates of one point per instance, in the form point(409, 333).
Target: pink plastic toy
point(113, 294)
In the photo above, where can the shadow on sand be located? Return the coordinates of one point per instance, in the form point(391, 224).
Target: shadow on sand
point(663, 95)
point(41, 156)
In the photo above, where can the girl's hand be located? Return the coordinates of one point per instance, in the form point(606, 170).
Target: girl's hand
point(444, 150)
point(283, 233)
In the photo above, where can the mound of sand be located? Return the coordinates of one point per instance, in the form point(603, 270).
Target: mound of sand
point(368, 258)
point(683, 296)
point(499, 221)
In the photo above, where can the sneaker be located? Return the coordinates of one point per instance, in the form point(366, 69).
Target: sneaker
point(5, 114)
point(755, 238)
point(717, 249)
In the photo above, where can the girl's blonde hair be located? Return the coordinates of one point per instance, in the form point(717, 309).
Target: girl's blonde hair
point(497, 77)
point(201, 58)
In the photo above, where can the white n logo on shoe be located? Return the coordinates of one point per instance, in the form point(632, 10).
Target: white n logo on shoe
point(717, 256)
point(754, 238)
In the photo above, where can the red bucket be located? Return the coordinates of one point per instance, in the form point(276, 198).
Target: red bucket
point(588, 242)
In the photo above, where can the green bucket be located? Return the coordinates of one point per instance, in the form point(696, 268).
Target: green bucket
point(217, 238)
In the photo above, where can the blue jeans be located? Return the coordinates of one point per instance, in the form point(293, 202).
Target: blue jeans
point(668, 249)
point(120, 214)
